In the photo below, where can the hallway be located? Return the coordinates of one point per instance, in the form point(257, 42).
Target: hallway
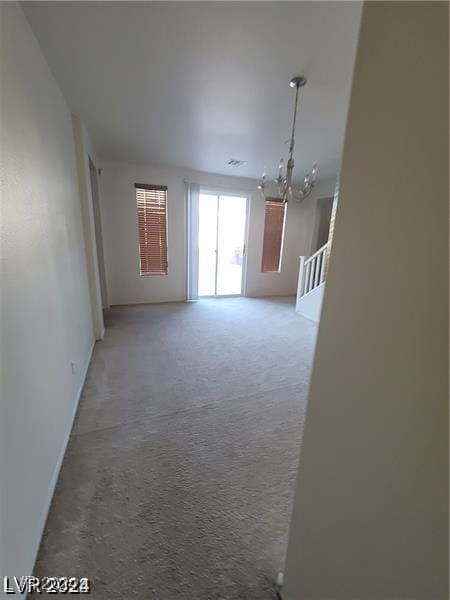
point(178, 479)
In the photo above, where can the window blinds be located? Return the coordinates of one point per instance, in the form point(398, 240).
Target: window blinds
point(151, 202)
point(273, 235)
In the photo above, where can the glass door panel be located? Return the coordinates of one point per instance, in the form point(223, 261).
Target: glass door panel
point(207, 245)
point(230, 244)
point(221, 238)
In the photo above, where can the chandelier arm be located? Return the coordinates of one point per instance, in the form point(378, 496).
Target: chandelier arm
point(302, 193)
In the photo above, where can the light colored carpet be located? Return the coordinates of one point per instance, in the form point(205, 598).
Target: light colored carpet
point(179, 475)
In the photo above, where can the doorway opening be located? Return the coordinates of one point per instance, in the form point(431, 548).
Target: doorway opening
point(221, 244)
point(98, 232)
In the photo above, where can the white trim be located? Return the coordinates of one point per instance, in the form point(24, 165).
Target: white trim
point(313, 290)
point(246, 237)
point(87, 217)
point(309, 306)
point(316, 253)
point(141, 302)
point(219, 191)
point(98, 231)
point(206, 188)
point(62, 453)
point(284, 295)
point(220, 296)
point(192, 251)
point(216, 268)
point(283, 236)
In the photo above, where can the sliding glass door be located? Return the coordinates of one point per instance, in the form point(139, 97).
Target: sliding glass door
point(221, 243)
point(207, 245)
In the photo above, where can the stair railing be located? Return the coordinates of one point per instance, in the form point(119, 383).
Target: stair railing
point(312, 271)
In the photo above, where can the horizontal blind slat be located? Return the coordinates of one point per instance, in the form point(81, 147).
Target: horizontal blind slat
point(151, 203)
point(273, 235)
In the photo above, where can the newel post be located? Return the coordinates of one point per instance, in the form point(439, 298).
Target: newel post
point(301, 276)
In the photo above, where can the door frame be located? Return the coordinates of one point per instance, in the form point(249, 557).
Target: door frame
point(82, 150)
point(95, 196)
point(219, 191)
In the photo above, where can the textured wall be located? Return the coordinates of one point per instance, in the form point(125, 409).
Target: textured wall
point(370, 517)
point(45, 313)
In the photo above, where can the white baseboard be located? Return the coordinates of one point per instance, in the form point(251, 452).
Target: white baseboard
point(279, 584)
point(262, 296)
point(62, 452)
point(144, 302)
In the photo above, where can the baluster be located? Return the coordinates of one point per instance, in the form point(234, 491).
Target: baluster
point(308, 270)
point(318, 267)
point(311, 276)
point(322, 266)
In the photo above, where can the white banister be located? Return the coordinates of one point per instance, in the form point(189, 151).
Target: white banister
point(311, 271)
point(316, 253)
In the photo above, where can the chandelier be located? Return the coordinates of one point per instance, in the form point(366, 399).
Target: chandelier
point(286, 190)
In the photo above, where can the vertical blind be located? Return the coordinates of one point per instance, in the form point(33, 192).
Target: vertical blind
point(151, 201)
point(273, 235)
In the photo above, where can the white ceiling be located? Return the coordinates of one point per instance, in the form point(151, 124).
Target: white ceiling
point(193, 84)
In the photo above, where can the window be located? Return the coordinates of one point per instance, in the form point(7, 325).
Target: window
point(151, 201)
point(273, 235)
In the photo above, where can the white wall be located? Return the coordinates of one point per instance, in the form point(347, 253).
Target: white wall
point(370, 518)
point(322, 225)
point(119, 222)
point(300, 225)
point(45, 312)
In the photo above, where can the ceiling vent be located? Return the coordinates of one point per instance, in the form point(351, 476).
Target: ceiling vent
point(233, 162)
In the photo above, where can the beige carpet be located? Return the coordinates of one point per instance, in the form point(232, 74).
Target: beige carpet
point(179, 475)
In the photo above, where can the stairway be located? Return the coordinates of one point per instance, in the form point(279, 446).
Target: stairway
point(311, 283)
